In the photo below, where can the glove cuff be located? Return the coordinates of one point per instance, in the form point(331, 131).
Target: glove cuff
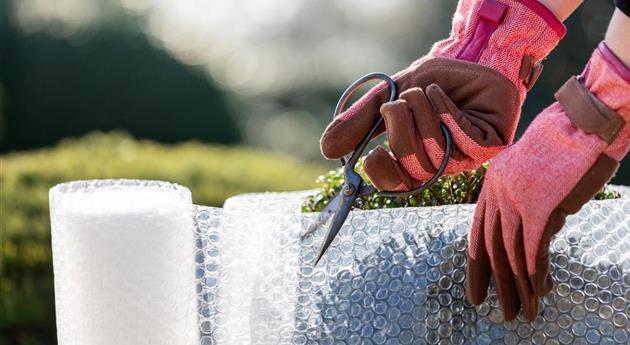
point(614, 62)
point(606, 77)
point(543, 12)
point(609, 79)
point(510, 36)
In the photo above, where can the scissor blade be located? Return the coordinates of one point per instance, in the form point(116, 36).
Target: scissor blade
point(335, 226)
point(325, 214)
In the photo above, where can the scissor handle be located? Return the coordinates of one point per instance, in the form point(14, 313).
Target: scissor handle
point(350, 161)
point(393, 94)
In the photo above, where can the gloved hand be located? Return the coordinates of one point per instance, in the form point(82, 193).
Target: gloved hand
point(474, 82)
point(567, 154)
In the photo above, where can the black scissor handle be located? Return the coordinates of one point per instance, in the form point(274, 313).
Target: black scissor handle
point(350, 161)
point(393, 94)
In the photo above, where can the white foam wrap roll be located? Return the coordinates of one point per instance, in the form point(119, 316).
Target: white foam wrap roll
point(123, 257)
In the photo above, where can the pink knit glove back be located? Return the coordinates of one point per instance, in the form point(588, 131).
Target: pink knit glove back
point(567, 154)
point(474, 82)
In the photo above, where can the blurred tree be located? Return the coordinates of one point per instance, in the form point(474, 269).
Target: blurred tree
point(112, 78)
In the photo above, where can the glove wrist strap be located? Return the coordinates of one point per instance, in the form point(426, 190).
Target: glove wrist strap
point(587, 112)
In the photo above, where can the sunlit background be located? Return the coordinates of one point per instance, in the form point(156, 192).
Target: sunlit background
point(243, 87)
point(260, 73)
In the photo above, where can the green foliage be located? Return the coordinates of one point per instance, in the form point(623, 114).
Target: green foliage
point(212, 173)
point(606, 193)
point(459, 189)
point(462, 188)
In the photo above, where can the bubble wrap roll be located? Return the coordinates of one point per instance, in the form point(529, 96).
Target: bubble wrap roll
point(123, 257)
point(397, 277)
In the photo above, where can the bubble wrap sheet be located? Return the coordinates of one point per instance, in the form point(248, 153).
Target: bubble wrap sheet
point(396, 277)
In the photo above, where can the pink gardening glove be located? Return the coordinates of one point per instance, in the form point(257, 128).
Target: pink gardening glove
point(474, 82)
point(567, 154)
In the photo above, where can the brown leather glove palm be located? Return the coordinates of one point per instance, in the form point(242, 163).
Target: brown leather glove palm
point(474, 82)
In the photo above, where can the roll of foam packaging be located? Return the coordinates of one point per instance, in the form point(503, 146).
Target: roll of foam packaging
point(123, 257)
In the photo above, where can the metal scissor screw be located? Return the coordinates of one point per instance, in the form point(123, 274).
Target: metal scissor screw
point(348, 190)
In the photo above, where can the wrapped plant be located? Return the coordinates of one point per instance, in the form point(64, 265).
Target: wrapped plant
point(463, 188)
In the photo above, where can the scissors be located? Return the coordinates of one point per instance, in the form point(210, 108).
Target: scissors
point(354, 186)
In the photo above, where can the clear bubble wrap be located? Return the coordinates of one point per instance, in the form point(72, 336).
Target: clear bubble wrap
point(396, 276)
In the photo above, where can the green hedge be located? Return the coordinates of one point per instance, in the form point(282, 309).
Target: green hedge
point(213, 173)
point(463, 188)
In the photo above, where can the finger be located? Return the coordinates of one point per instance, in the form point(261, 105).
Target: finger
point(405, 141)
point(540, 278)
point(347, 130)
point(501, 273)
point(386, 173)
point(528, 299)
point(480, 124)
point(474, 137)
point(428, 141)
point(427, 124)
point(512, 231)
point(541, 281)
point(478, 267)
point(427, 120)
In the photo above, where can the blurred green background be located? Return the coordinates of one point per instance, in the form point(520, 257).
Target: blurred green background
point(225, 97)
